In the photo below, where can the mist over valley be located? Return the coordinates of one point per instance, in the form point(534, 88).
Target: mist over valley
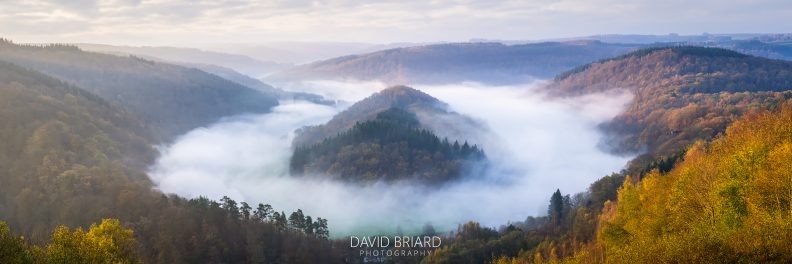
point(395, 132)
point(534, 145)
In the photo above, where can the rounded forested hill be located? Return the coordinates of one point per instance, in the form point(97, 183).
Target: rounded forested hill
point(391, 147)
point(170, 99)
point(403, 97)
point(681, 94)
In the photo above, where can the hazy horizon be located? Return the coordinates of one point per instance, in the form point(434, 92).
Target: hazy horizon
point(206, 23)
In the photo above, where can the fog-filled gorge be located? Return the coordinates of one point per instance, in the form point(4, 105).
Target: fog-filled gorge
point(535, 145)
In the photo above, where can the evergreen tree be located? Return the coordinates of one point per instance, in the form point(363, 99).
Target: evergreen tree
point(245, 210)
point(263, 211)
point(556, 208)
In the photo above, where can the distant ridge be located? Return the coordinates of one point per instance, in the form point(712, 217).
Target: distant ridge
point(492, 63)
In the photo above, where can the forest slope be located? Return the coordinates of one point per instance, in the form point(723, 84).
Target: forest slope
point(170, 99)
point(58, 137)
point(68, 157)
point(729, 201)
point(681, 93)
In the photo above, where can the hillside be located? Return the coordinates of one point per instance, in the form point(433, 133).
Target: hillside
point(681, 93)
point(683, 201)
point(727, 202)
point(55, 136)
point(170, 99)
point(232, 67)
point(68, 157)
point(492, 63)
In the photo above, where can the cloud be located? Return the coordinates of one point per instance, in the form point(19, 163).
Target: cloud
point(536, 145)
point(189, 22)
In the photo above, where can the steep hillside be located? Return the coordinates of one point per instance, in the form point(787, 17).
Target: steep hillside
point(681, 93)
point(493, 63)
point(170, 99)
point(67, 157)
point(56, 136)
point(728, 202)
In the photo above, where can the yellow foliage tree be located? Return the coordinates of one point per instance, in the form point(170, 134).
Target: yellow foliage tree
point(107, 242)
point(728, 201)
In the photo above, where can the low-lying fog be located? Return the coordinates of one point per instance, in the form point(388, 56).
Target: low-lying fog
point(536, 145)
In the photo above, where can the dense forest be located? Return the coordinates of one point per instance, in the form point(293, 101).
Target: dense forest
point(68, 157)
point(723, 201)
point(493, 63)
point(170, 99)
point(681, 94)
point(391, 147)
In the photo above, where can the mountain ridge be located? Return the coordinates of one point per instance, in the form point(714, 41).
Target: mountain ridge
point(492, 63)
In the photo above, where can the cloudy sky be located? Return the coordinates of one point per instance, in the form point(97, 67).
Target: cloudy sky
point(183, 22)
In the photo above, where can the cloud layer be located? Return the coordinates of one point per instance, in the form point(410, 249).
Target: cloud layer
point(174, 22)
point(536, 145)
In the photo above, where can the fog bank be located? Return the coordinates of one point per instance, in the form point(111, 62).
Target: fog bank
point(535, 145)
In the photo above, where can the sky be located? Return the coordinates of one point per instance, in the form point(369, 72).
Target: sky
point(187, 23)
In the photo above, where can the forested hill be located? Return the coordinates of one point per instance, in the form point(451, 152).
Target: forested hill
point(412, 100)
point(684, 69)
point(727, 201)
point(68, 157)
point(492, 63)
point(56, 136)
point(399, 133)
point(681, 93)
point(170, 99)
point(391, 147)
